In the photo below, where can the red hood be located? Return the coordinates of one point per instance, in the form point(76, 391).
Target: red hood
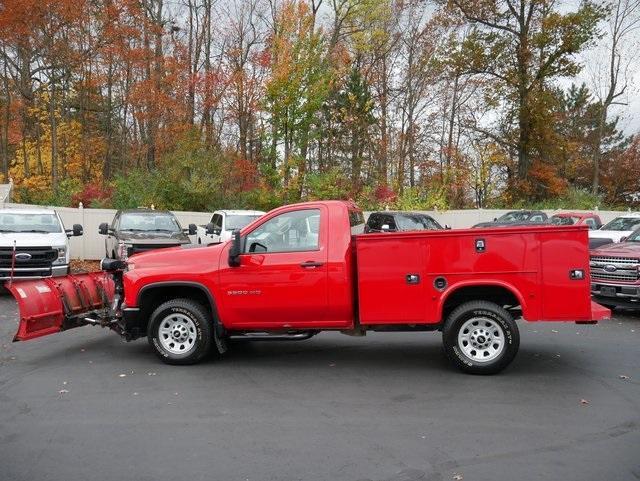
point(185, 259)
point(621, 249)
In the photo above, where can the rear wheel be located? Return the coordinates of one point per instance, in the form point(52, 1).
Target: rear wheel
point(480, 337)
point(180, 332)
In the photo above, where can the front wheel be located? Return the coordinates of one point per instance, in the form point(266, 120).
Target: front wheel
point(180, 332)
point(480, 337)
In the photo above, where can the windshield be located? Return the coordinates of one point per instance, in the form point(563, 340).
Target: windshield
point(564, 220)
point(149, 221)
point(416, 222)
point(239, 221)
point(623, 223)
point(515, 217)
point(634, 237)
point(36, 223)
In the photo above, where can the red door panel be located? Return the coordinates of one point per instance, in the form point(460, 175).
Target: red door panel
point(276, 289)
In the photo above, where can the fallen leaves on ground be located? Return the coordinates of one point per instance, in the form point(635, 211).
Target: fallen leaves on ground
point(79, 267)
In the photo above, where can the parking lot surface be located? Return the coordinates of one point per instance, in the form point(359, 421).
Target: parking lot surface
point(84, 405)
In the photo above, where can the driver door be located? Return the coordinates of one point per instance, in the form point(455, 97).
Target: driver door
point(282, 278)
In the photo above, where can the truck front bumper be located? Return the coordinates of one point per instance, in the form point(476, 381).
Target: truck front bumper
point(618, 295)
point(24, 273)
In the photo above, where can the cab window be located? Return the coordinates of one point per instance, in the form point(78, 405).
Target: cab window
point(216, 220)
point(294, 231)
point(390, 222)
point(356, 222)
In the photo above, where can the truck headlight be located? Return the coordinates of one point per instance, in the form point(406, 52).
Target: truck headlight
point(62, 255)
point(123, 250)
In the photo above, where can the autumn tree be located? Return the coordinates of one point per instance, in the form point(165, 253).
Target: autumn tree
point(611, 78)
point(523, 46)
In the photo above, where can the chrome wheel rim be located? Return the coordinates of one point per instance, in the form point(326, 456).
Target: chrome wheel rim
point(481, 339)
point(177, 334)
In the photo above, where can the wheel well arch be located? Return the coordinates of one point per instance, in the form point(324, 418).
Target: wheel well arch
point(152, 295)
point(501, 294)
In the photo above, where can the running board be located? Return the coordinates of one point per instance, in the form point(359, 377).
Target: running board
point(265, 336)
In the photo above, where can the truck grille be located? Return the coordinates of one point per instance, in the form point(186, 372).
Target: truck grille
point(614, 268)
point(39, 257)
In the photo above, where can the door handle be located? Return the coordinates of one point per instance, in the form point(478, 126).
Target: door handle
point(311, 264)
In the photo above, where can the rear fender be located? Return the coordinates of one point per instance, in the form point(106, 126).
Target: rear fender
point(57, 304)
point(461, 286)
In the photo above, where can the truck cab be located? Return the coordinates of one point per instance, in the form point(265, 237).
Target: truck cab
point(615, 273)
point(34, 244)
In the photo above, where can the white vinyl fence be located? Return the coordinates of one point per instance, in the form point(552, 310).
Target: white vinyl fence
point(90, 246)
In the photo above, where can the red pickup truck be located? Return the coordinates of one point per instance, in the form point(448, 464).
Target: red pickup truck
point(304, 268)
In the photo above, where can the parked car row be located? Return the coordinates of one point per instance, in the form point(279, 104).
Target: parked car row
point(139, 230)
point(34, 243)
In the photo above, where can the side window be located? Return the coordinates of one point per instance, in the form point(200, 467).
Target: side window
point(294, 231)
point(217, 221)
point(356, 222)
point(591, 223)
point(116, 222)
point(374, 222)
point(389, 221)
point(536, 218)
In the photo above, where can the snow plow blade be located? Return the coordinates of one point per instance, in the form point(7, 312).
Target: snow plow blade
point(56, 304)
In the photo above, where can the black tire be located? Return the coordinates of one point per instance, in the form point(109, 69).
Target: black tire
point(190, 311)
point(506, 327)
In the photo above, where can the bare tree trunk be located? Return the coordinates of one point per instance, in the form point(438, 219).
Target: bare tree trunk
point(625, 19)
point(6, 119)
point(54, 138)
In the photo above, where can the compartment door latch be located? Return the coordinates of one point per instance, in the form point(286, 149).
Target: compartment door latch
point(413, 278)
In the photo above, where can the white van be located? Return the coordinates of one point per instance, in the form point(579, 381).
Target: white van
point(34, 244)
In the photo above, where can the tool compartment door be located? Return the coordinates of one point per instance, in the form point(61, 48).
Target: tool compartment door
point(391, 276)
point(565, 284)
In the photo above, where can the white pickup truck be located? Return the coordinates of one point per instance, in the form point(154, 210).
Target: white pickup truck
point(223, 223)
point(34, 244)
point(615, 231)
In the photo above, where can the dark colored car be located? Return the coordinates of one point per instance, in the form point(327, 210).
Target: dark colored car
point(516, 218)
point(387, 221)
point(140, 230)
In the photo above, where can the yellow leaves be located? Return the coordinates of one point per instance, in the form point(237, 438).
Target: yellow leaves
point(80, 154)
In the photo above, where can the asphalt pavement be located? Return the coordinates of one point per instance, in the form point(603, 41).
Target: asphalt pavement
point(84, 405)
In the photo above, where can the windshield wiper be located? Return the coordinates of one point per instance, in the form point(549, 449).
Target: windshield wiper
point(5, 231)
point(34, 231)
point(133, 230)
point(162, 230)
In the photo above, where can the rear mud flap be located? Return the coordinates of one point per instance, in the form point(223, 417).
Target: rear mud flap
point(56, 304)
point(598, 313)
